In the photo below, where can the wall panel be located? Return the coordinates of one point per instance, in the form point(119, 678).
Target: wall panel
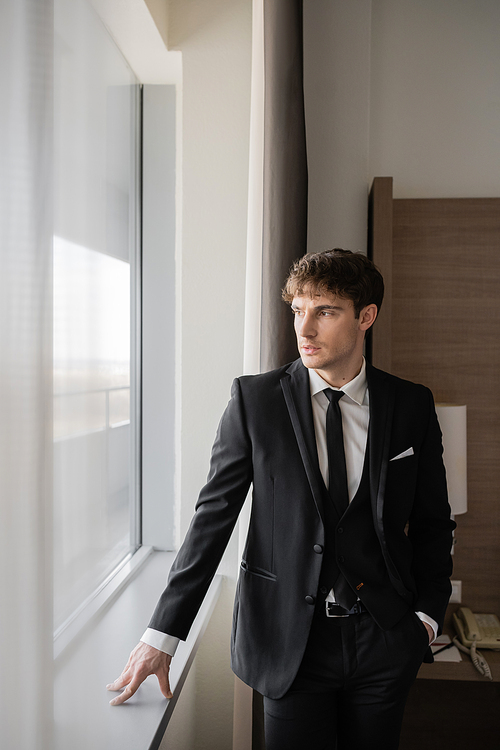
point(445, 334)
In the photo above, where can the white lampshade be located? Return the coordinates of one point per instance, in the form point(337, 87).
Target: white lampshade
point(453, 421)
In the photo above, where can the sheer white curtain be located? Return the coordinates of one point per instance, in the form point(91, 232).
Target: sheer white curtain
point(26, 49)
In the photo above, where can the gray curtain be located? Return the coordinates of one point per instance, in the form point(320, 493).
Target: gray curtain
point(285, 174)
point(284, 227)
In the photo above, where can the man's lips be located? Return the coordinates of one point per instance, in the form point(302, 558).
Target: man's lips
point(309, 349)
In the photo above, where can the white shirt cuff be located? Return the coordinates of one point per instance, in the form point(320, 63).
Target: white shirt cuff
point(429, 621)
point(163, 642)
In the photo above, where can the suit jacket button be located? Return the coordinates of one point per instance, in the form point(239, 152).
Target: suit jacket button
point(318, 549)
point(310, 599)
point(341, 558)
point(323, 590)
point(340, 530)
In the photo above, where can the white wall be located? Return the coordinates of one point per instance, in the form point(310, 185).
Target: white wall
point(337, 98)
point(405, 88)
point(214, 37)
point(435, 97)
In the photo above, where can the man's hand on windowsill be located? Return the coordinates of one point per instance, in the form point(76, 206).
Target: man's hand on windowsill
point(144, 660)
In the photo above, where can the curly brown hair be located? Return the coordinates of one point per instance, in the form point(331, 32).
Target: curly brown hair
point(339, 272)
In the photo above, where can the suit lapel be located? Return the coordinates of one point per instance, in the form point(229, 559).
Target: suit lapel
point(295, 386)
point(379, 433)
point(382, 398)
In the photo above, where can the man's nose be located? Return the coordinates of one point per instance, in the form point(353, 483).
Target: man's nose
point(307, 328)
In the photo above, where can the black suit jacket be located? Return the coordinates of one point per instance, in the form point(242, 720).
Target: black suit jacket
point(266, 438)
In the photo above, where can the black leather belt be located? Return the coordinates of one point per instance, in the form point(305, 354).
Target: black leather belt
point(335, 610)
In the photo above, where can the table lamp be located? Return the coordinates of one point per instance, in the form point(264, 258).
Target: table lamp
point(453, 422)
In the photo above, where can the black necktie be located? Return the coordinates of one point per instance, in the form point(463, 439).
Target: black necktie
point(337, 473)
point(337, 481)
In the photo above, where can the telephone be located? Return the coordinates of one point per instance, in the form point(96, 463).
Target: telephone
point(483, 629)
point(474, 631)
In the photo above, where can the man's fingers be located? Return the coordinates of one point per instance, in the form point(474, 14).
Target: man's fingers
point(127, 693)
point(116, 685)
point(164, 683)
point(129, 690)
point(144, 660)
point(121, 681)
point(120, 698)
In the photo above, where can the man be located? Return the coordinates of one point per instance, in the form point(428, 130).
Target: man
point(345, 576)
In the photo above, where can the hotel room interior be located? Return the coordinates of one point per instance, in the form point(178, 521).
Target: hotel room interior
point(228, 137)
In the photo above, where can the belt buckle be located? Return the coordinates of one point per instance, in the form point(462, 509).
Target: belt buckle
point(331, 615)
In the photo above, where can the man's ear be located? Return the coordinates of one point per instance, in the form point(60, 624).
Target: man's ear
point(367, 317)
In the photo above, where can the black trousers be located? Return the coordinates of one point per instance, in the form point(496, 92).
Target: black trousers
point(351, 689)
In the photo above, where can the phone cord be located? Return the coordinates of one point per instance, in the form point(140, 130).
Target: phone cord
point(477, 658)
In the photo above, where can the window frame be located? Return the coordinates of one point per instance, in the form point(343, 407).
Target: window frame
point(153, 515)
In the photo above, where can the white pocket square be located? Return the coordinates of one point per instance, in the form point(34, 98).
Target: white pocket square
point(404, 454)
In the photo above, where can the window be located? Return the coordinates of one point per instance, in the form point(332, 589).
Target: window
point(95, 333)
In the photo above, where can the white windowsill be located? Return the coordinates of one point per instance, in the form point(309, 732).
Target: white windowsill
point(101, 598)
point(83, 717)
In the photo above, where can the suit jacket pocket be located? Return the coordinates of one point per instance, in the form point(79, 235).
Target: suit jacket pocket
point(257, 571)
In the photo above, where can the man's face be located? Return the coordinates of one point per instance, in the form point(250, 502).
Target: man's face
point(329, 336)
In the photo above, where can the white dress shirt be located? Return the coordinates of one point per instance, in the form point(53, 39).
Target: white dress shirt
point(354, 407)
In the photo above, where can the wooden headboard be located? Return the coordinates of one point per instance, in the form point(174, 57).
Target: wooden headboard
point(440, 325)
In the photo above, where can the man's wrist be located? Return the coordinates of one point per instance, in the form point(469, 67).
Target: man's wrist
point(161, 641)
point(429, 621)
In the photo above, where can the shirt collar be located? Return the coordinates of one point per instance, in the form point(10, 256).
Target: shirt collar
point(355, 388)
